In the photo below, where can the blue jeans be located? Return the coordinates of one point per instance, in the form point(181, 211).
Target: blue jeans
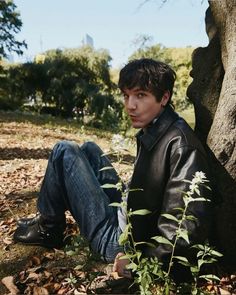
point(73, 182)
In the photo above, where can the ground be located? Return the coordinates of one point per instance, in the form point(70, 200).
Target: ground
point(25, 144)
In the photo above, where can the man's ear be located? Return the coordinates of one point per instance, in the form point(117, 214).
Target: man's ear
point(165, 98)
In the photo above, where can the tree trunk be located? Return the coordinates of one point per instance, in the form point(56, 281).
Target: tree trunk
point(213, 92)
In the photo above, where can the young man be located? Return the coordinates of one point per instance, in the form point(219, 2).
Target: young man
point(168, 153)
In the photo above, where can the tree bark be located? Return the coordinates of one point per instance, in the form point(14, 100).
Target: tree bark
point(213, 92)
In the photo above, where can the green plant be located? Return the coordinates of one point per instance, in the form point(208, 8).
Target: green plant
point(150, 274)
point(71, 280)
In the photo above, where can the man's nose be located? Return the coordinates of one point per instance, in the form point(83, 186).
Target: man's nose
point(131, 105)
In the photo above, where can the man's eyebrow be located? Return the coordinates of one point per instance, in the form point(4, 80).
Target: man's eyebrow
point(138, 89)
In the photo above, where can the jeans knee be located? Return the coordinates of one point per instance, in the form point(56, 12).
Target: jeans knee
point(64, 146)
point(91, 148)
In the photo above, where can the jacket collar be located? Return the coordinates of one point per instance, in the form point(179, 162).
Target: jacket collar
point(155, 131)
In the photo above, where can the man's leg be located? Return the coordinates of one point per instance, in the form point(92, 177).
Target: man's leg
point(73, 181)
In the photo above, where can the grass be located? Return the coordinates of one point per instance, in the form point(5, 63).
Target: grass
point(189, 116)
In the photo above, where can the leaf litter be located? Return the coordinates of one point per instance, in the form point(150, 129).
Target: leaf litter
point(24, 150)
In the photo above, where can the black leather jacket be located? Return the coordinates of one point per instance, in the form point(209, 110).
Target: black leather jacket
point(168, 153)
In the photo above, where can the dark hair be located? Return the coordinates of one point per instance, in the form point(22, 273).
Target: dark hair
point(148, 74)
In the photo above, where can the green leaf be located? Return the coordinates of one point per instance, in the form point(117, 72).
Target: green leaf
point(216, 253)
point(108, 185)
point(200, 262)
point(106, 168)
point(132, 266)
point(79, 267)
point(162, 240)
point(187, 181)
point(123, 257)
point(197, 191)
point(198, 246)
point(200, 253)
point(183, 233)
point(107, 154)
point(135, 189)
point(210, 277)
point(210, 260)
point(123, 238)
point(171, 217)
point(124, 235)
point(206, 186)
point(181, 258)
point(194, 269)
point(200, 200)
point(146, 243)
point(140, 212)
point(115, 204)
point(70, 253)
point(191, 217)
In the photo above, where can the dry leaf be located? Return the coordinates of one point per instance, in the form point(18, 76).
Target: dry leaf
point(224, 292)
point(7, 241)
point(47, 274)
point(78, 292)
point(62, 291)
point(210, 287)
point(9, 283)
point(115, 275)
point(40, 291)
point(57, 286)
point(33, 276)
point(35, 260)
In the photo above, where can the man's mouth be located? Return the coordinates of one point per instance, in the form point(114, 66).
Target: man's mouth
point(133, 117)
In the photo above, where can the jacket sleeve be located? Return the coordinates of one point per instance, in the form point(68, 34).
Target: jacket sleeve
point(185, 161)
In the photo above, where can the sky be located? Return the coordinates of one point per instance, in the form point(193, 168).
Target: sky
point(113, 24)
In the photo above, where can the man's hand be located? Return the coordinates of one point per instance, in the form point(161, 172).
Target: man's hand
point(120, 266)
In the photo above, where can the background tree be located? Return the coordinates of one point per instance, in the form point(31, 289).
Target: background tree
point(10, 25)
point(65, 82)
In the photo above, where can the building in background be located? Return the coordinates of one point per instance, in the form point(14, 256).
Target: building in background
point(87, 40)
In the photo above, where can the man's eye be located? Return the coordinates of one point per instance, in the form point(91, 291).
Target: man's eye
point(125, 96)
point(140, 95)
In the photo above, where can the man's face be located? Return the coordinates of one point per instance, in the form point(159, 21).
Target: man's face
point(141, 106)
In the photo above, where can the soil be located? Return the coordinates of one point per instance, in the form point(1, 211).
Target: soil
point(25, 145)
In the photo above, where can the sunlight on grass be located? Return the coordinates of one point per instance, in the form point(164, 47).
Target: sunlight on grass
point(51, 122)
point(189, 116)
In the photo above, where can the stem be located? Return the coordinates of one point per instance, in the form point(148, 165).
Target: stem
point(130, 234)
point(176, 239)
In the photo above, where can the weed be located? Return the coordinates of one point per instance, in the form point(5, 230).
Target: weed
point(150, 274)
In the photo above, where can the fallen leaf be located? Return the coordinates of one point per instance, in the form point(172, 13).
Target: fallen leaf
point(224, 292)
point(62, 291)
point(7, 241)
point(40, 291)
point(33, 276)
point(35, 260)
point(9, 283)
point(57, 286)
point(115, 275)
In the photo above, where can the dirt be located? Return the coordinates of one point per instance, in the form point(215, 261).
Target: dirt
point(25, 145)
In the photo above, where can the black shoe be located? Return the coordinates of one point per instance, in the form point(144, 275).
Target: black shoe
point(40, 235)
point(29, 221)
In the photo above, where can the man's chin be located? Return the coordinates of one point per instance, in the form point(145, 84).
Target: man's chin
point(137, 125)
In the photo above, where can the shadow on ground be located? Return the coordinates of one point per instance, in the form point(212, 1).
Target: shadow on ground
point(23, 153)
